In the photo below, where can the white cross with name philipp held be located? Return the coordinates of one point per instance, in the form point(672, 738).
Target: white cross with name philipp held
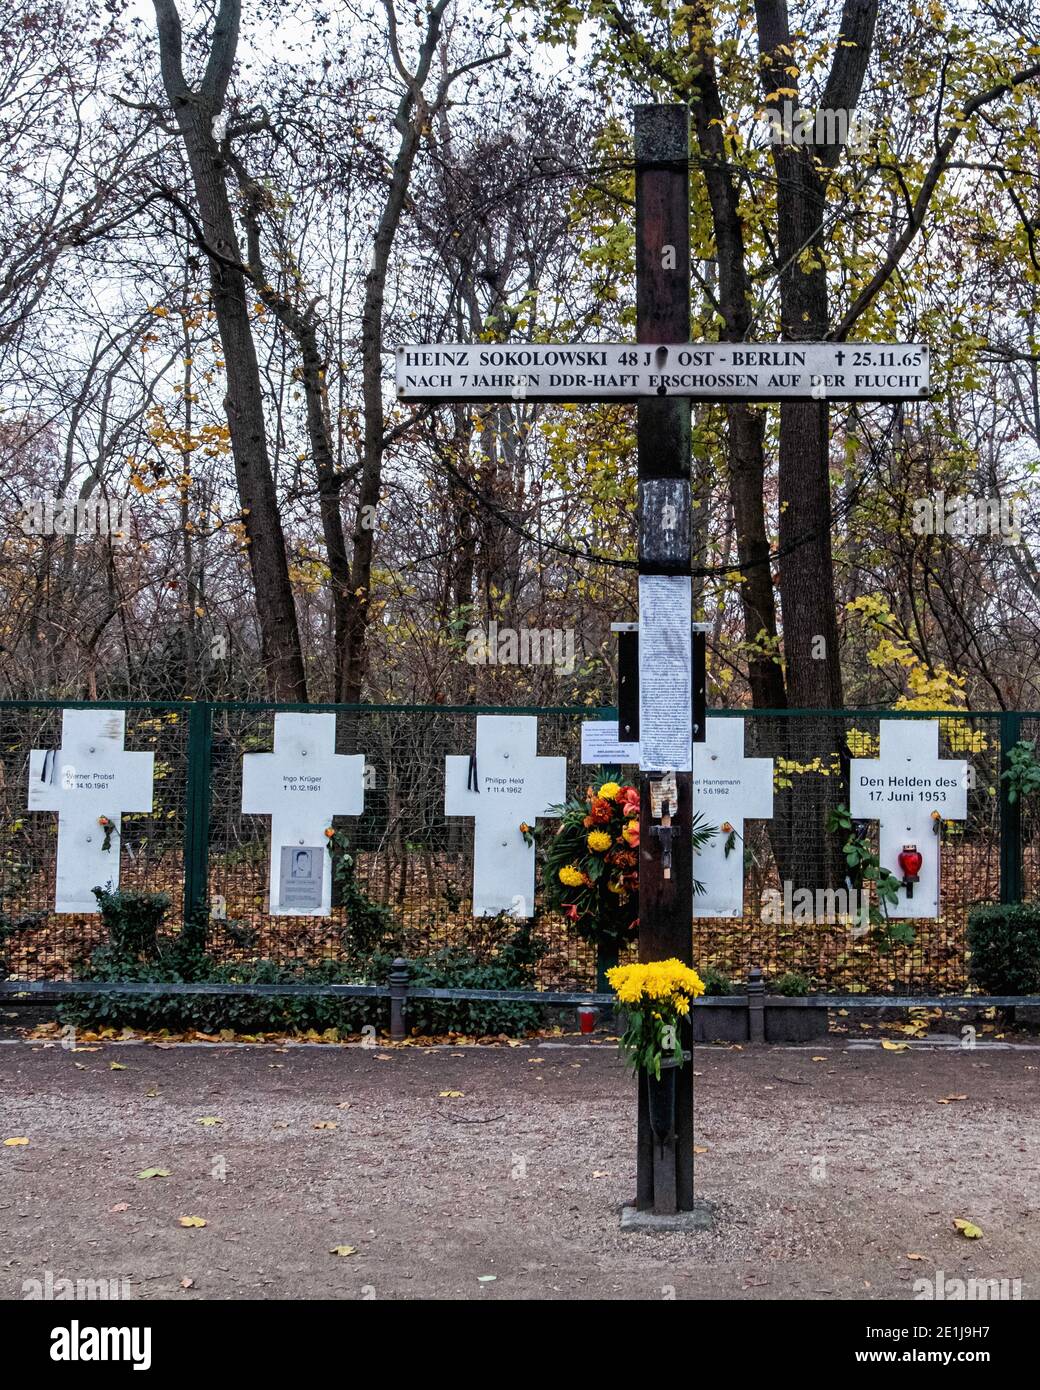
point(504, 784)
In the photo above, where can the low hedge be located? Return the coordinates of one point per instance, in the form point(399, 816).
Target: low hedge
point(137, 951)
point(1004, 940)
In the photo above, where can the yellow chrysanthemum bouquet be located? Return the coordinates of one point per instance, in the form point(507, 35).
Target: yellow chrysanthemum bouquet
point(655, 997)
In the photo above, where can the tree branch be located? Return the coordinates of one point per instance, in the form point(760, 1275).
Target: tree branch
point(924, 197)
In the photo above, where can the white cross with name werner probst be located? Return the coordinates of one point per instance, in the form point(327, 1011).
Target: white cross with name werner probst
point(91, 780)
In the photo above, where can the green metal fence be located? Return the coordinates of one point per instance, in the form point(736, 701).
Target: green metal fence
point(197, 846)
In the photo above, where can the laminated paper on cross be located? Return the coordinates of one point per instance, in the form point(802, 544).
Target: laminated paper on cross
point(630, 371)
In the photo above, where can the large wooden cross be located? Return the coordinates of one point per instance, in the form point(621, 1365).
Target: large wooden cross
point(663, 372)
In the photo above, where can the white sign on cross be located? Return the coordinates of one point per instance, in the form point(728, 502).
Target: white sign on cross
point(301, 786)
point(665, 673)
point(506, 783)
point(89, 778)
point(600, 744)
point(728, 789)
point(628, 371)
point(901, 789)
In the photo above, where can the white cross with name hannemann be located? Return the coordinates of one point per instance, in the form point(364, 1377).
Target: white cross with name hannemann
point(728, 789)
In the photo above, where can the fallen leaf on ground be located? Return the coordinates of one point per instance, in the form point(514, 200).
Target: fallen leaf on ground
point(945, 1100)
point(486, 1278)
point(14, 1143)
point(154, 1173)
point(915, 1257)
point(209, 1120)
point(699, 1149)
point(599, 1174)
point(454, 1095)
point(343, 1250)
point(325, 1124)
point(344, 1105)
point(116, 1066)
point(968, 1229)
point(120, 1206)
point(187, 1283)
point(191, 1221)
point(893, 1047)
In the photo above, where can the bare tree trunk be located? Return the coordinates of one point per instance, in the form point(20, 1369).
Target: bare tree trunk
point(746, 424)
point(413, 118)
point(412, 114)
point(302, 326)
point(807, 592)
point(196, 113)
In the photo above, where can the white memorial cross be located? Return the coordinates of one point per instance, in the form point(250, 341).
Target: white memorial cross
point(89, 777)
point(901, 789)
point(727, 789)
point(505, 784)
point(301, 786)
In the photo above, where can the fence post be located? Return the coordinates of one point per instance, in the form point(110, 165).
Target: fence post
point(398, 981)
point(1010, 815)
point(196, 817)
point(756, 1003)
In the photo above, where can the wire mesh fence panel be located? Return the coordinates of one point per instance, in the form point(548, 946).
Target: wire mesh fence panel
point(40, 943)
point(830, 942)
point(417, 861)
point(409, 854)
point(1029, 817)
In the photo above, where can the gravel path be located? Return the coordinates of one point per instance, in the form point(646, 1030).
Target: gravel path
point(830, 1165)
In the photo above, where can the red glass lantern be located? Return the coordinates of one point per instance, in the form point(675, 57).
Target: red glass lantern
point(910, 861)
